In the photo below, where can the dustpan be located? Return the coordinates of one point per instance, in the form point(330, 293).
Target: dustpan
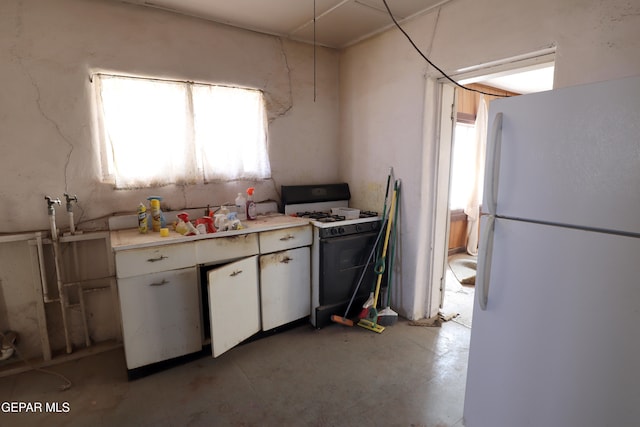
point(387, 317)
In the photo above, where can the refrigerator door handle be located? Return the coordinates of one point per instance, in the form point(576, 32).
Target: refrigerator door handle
point(493, 164)
point(484, 267)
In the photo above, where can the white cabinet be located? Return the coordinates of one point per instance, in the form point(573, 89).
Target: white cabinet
point(234, 307)
point(160, 316)
point(285, 287)
point(255, 280)
point(285, 275)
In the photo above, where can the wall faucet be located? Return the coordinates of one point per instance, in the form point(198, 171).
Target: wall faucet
point(74, 198)
point(70, 199)
point(50, 203)
point(52, 216)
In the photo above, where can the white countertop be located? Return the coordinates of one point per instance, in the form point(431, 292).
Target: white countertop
point(131, 238)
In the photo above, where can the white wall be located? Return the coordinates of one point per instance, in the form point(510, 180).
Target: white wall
point(48, 50)
point(382, 95)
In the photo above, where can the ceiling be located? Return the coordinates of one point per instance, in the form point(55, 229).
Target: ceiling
point(338, 23)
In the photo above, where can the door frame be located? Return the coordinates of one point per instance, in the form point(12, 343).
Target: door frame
point(444, 144)
point(441, 223)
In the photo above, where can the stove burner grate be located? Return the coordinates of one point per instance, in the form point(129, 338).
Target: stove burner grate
point(327, 217)
point(368, 214)
point(320, 216)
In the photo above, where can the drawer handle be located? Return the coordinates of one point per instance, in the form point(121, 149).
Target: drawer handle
point(287, 237)
point(286, 260)
point(235, 273)
point(160, 258)
point(164, 282)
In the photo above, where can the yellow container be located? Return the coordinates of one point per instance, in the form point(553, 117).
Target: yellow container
point(156, 214)
point(142, 218)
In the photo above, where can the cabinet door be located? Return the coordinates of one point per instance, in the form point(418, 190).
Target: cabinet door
point(285, 284)
point(233, 304)
point(160, 316)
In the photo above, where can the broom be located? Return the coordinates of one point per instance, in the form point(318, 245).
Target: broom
point(371, 321)
point(386, 316)
point(370, 301)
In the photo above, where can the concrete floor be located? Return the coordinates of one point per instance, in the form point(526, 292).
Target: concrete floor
point(458, 299)
point(336, 376)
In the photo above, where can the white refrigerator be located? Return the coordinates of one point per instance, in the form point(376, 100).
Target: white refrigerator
point(556, 322)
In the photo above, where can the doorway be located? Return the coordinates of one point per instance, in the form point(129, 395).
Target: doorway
point(466, 178)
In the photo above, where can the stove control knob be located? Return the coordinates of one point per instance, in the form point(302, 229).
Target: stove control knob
point(340, 230)
point(358, 227)
point(374, 225)
point(334, 231)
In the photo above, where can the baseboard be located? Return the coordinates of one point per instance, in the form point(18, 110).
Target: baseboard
point(454, 251)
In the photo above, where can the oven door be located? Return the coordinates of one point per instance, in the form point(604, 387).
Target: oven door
point(342, 260)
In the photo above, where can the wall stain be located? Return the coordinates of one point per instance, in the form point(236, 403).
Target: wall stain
point(277, 108)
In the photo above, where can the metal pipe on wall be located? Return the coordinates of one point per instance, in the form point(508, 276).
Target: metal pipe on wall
point(43, 276)
point(56, 259)
point(61, 294)
point(76, 267)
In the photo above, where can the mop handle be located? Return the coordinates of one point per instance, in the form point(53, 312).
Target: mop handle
point(386, 243)
point(394, 242)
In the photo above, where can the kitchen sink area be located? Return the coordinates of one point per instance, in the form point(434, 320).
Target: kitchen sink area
point(179, 294)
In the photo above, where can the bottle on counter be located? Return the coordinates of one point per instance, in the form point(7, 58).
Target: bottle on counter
point(185, 227)
point(181, 226)
point(251, 205)
point(142, 218)
point(241, 206)
point(157, 218)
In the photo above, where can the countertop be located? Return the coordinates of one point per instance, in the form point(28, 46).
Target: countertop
point(131, 238)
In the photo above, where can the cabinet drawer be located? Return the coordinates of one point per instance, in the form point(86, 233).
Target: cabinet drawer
point(135, 262)
point(221, 249)
point(286, 238)
point(160, 316)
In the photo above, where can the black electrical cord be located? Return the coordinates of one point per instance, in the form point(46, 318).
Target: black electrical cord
point(431, 63)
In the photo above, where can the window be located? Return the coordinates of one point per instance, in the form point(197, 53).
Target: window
point(157, 132)
point(464, 165)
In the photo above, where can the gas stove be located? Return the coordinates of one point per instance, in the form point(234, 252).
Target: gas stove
point(340, 248)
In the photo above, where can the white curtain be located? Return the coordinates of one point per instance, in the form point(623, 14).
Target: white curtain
point(227, 144)
point(475, 199)
point(145, 122)
point(162, 132)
